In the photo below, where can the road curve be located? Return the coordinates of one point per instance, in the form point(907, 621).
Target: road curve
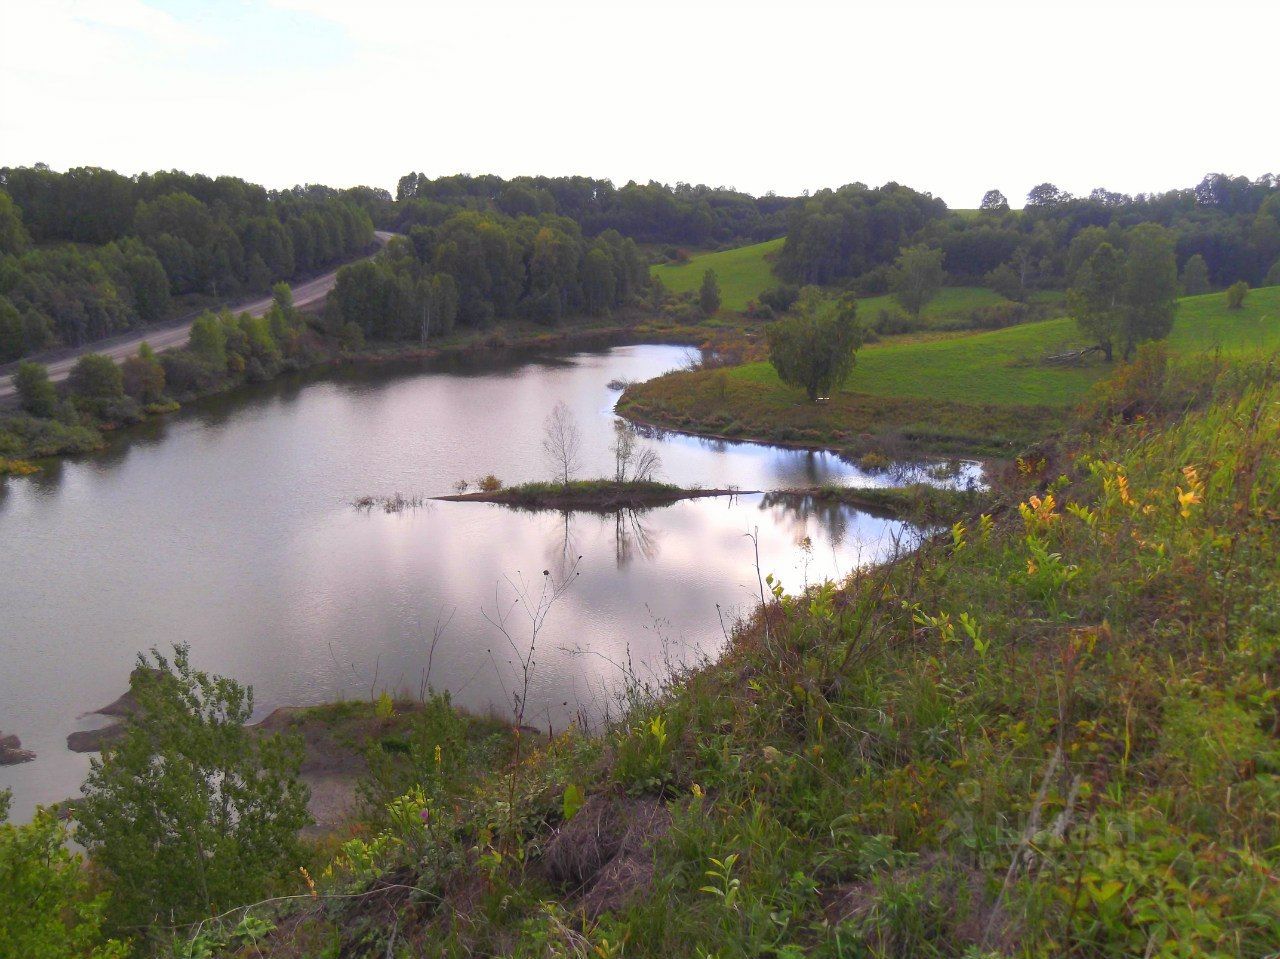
point(305, 294)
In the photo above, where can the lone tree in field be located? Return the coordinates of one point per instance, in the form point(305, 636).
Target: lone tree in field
point(1195, 276)
point(813, 350)
point(1236, 293)
point(993, 201)
point(1095, 299)
point(916, 277)
point(191, 812)
point(562, 442)
point(1126, 298)
point(709, 293)
point(1150, 286)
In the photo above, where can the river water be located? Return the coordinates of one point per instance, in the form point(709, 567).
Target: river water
point(230, 527)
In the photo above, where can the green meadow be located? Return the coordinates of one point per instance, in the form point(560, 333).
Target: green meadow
point(744, 273)
point(986, 393)
point(1006, 366)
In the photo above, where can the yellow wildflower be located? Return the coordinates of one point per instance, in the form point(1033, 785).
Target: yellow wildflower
point(1188, 499)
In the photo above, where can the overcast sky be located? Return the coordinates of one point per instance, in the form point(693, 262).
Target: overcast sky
point(953, 98)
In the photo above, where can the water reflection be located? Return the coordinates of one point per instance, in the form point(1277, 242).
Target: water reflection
point(229, 526)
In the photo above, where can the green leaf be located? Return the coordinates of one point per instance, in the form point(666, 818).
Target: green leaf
point(573, 800)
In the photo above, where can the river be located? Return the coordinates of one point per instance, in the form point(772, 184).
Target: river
point(230, 527)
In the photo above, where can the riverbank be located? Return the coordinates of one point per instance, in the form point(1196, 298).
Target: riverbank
point(26, 441)
point(1054, 686)
point(725, 404)
point(918, 503)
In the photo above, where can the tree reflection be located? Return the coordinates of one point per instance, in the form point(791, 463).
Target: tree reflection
point(563, 552)
point(632, 536)
point(797, 509)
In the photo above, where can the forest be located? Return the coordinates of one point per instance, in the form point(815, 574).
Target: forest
point(1228, 227)
point(91, 253)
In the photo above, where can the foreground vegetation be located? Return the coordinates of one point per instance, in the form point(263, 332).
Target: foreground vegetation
point(1052, 731)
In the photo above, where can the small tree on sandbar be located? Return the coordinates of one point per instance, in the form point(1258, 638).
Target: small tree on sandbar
point(562, 442)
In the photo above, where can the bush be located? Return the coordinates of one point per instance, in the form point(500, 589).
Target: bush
point(96, 377)
point(1005, 281)
point(191, 810)
point(143, 376)
point(489, 483)
point(45, 906)
point(780, 298)
point(890, 321)
point(26, 437)
point(874, 282)
point(36, 392)
point(186, 373)
point(999, 315)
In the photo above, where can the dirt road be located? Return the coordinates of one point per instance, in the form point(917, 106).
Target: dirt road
point(306, 294)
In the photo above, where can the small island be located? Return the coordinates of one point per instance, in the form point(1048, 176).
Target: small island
point(597, 495)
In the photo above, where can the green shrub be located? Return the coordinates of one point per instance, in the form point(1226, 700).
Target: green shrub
point(46, 910)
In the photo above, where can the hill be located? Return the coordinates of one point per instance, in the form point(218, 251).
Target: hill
point(744, 273)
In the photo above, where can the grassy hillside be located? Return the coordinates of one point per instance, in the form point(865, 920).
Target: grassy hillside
point(950, 301)
point(987, 391)
point(1052, 731)
point(743, 273)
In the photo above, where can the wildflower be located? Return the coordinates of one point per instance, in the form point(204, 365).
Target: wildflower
point(1122, 484)
point(1188, 499)
point(1039, 512)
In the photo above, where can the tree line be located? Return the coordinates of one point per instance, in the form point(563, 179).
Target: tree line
point(224, 350)
point(646, 212)
point(478, 267)
point(90, 253)
point(1223, 229)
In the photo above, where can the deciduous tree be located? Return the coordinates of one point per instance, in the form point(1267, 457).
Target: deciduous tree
point(96, 377)
point(813, 349)
point(916, 277)
point(1150, 286)
point(1195, 276)
point(1096, 298)
point(993, 201)
point(709, 294)
point(191, 812)
point(35, 391)
point(562, 442)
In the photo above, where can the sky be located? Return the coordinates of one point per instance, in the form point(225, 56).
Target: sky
point(953, 98)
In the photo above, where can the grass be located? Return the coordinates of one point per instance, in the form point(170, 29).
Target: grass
point(951, 301)
point(744, 273)
point(592, 495)
point(987, 392)
point(1052, 731)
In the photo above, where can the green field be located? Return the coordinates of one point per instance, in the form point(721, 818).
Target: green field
point(986, 393)
point(1003, 366)
point(950, 301)
point(743, 273)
